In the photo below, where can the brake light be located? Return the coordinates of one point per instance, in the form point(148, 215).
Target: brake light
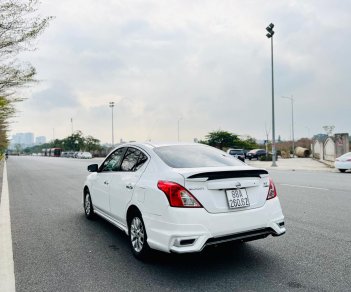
point(177, 195)
point(272, 191)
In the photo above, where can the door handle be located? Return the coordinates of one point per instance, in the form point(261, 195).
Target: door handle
point(129, 187)
point(106, 182)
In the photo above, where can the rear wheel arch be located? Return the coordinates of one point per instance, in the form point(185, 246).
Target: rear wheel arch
point(132, 210)
point(137, 234)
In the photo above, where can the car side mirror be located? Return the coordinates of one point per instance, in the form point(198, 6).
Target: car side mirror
point(93, 167)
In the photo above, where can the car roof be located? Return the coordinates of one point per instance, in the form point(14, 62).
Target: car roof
point(152, 145)
point(157, 144)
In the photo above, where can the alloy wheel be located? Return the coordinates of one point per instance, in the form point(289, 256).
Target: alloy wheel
point(87, 204)
point(137, 234)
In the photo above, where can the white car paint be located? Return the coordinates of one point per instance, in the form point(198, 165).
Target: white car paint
point(114, 192)
point(85, 155)
point(343, 162)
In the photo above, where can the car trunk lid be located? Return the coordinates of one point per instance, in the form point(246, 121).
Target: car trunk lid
point(210, 186)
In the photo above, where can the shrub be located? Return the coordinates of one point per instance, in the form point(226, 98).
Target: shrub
point(267, 158)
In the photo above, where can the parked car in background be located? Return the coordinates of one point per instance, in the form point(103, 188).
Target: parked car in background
point(85, 155)
point(343, 162)
point(181, 197)
point(256, 153)
point(237, 153)
point(70, 154)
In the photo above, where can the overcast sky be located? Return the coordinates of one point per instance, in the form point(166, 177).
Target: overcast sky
point(205, 63)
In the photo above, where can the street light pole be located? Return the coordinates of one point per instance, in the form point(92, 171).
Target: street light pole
point(292, 122)
point(270, 34)
point(111, 105)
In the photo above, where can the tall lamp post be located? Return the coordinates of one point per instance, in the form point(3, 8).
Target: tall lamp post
point(269, 35)
point(292, 122)
point(111, 105)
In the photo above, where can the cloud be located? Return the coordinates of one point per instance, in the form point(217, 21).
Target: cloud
point(205, 61)
point(56, 96)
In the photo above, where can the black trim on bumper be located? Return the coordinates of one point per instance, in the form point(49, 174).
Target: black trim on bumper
point(245, 236)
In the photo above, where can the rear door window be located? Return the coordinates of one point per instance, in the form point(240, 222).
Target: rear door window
point(133, 160)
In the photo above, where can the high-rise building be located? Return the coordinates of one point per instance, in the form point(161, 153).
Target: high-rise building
point(22, 139)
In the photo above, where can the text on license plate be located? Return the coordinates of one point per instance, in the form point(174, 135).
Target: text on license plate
point(237, 198)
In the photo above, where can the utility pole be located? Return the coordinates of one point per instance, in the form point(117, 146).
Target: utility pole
point(292, 123)
point(111, 105)
point(270, 34)
point(267, 135)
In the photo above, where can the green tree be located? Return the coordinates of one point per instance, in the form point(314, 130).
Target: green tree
point(249, 144)
point(221, 139)
point(20, 25)
point(74, 142)
point(92, 144)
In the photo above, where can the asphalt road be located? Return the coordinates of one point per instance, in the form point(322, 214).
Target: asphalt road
point(57, 249)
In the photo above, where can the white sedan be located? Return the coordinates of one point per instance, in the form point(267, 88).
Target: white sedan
point(85, 155)
point(181, 197)
point(343, 162)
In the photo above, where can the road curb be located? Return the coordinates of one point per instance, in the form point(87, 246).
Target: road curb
point(324, 162)
point(7, 273)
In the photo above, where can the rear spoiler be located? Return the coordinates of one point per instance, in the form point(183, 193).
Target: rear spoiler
point(230, 174)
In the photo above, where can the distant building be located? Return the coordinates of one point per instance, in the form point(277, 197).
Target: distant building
point(40, 140)
point(22, 139)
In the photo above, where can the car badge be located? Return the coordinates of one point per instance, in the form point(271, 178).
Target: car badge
point(238, 185)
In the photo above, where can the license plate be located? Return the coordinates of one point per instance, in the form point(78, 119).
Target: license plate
point(237, 198)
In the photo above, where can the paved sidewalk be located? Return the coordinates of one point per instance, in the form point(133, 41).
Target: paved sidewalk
point(292, 164)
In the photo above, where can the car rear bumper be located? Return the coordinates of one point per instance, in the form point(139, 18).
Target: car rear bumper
point(190, 230)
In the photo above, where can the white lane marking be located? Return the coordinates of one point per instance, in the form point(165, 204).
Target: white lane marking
point(305, 187)
point(7, 273)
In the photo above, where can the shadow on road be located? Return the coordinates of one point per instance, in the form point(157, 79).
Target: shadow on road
point(216, 268)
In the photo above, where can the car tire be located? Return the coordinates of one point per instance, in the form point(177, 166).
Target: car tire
point(250, 158)
point(138, 237)
point(88, 206)
point(342, 170)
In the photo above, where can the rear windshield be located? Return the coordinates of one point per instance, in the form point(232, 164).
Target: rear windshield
point(193, 156)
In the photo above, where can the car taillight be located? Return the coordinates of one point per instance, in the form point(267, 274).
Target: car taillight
point(177, 195)
point(272, 191)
